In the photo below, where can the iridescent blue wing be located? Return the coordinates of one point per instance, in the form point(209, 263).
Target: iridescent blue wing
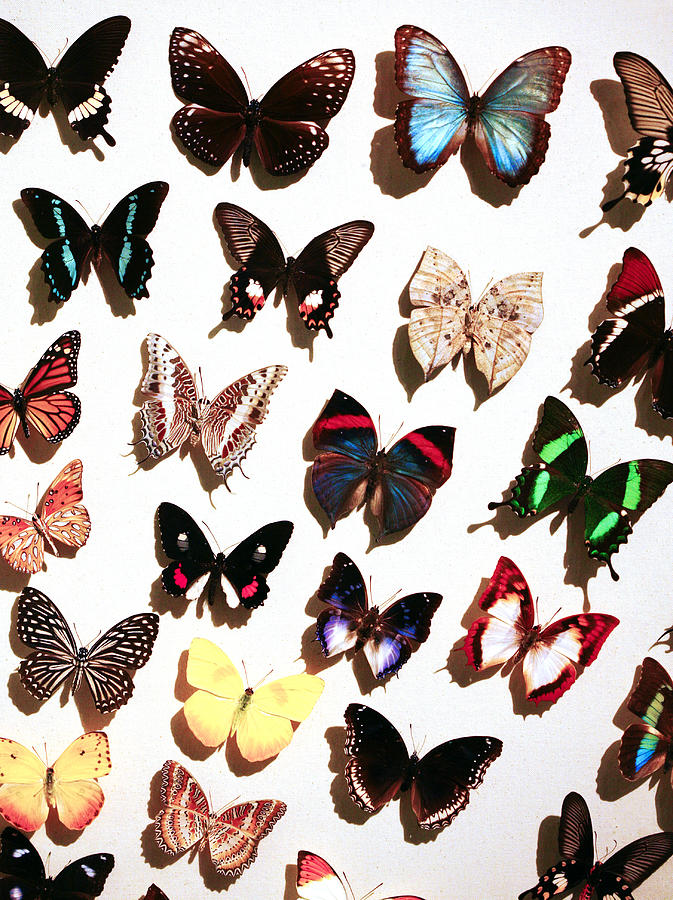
point(346, 595)
point(123, 236)
point(510, 126)
point(407, 619)
point(431, 127)
point(63, 260)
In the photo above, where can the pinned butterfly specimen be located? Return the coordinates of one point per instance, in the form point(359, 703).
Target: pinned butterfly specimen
point(508, 121)
point(614, 878)
point(120, 239)
point(60, 518)
point(440, 782)
point(635, 336)
point(647, 746)
point(77, 81)
point(260, 718)
point(313, 274)
point(649, 101)
point(225, 427)
point(498, 327)
point(23, 876)
point(282, 126)
point(509, 635)
point(195, 568)
point(349, 622)
point(350, 470)
point(41, 402)
point(28, 788)
point(317, 880)
point(611, 501)
point(232, 835)
point(56, 656)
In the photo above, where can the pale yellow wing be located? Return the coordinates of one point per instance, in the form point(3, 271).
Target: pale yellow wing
point(441, 295)
point(210, 711)
point(504, 321)
point(23, 801)
point(76, 795)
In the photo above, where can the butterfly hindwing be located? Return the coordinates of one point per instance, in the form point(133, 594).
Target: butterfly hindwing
point(317, 880)
point(647, 746)
point(186, 545)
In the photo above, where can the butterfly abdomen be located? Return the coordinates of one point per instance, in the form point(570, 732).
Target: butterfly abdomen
point(252, 119)
point(410, 772)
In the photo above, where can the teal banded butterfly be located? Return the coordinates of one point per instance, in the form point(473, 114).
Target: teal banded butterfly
point(647, 746)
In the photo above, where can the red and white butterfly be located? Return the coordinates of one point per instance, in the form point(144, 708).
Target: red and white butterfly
point(60, 518)
point(232, 834)
point(509, 634)
point(176, 413)
point(317, 880)
point(41, 402)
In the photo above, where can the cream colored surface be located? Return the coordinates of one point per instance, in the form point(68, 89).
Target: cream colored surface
point(507, 834)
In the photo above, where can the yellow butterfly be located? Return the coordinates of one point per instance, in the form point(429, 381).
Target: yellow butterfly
point(222, 706)
point(28, 787)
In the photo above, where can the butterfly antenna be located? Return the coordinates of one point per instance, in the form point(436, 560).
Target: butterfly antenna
point(205, 524)
point(392, 596)
point(103, 213)
point(661, 636)
point(20, 508)
point(369, 893)
point(203, 390)
point(262, 680)
point(551, 619)
point(350, 888)
point(62, 50)
point(394, 435)
point(489, 79)
point(247, 83)
point(79, 203)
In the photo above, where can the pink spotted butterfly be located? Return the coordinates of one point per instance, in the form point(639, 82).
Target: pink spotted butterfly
point(509, 634)
point(317, 880)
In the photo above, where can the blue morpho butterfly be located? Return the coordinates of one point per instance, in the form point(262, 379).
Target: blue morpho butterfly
point(508, 121)
point(349, 622)
point(648, 745)
point(121, 239)
point(611, 500)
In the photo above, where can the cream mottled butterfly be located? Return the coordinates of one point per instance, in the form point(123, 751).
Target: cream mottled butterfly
point(222, 706)
point(28, 787)
point(498, 326)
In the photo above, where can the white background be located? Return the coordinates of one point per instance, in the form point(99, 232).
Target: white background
point(507, 834)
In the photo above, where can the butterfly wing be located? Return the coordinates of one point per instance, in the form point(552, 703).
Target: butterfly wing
point(287, 137)
point(652, 696)
point(212, 126)
point(345, 438)
point(123, 236)
point(316, 879)
point(23, 801)
point(378, 759)
point(85, 878)
point(320, 265)
point(23, 76)
point(633, 864)
point(431, 127)
point(230, 426)
point(40, 625)
point(646, 746)
point(234, 835)
point(21, 544)
point(22, 874)
point(76, 793)
point(407, 619)
point(187, 546)
point(155, 893)
point(247, 565)
point(210, 712)
point(9, 420)
point(510, 128)
point(255, 247)
point(165, 419)
point(184, 821)
point(346, 595)
point(65, 519)
point(54, 412)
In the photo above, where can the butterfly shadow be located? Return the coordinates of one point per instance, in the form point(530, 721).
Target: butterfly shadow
point(646, 417)
point(457, 666)
point(310, 499)
point(6, 143)
point(311, 651)
point(409, 372)
point(151, 852)
point(206, 168)
point(344, 807)
point(290, 892)
point(547, 853)
point(482, 181)
point(68, 136)
point(44, 310)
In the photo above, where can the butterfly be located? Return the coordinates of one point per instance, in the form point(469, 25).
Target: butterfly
point(350, 622)
point(60, 518)
point(56, 656)
point(649, 101)
point(611, 500)
point(193, 561)
point(28, 788)
point(507, 121)
point(498, 327)
point(614, 878)
point(349, 470)
point(440, 782)
point(509, 634)
point(232, 834)
point(635, 337)
point(222, 706)
point(283, 125)
point(120, 239)
point(647, 746)
point(225, 427)
point(41, 402)
point(313, 274)
point(77, 81)
point(317, 880)
point(23, 877)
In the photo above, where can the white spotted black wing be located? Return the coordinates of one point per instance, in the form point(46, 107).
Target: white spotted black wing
point(40, 625)
point(247, 565)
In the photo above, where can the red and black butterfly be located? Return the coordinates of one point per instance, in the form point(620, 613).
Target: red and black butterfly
point(283, 125)
point(349, 470)
point(313, 274)
point(120, 239)
point(77, 81)
point(440, 782)
point(635, 336)
point(613, 879)
point(41, 402)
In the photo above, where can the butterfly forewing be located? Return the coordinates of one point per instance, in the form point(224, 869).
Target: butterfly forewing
point(378, 760)
point(186, 545)
point(248, 564)
point(185, 819)
point(23, 80)
point(647, 746)
point(234, 834)
point(631, 865)
point(200, 74)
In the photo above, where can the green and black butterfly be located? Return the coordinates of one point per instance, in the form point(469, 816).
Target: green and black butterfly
point(611, 501)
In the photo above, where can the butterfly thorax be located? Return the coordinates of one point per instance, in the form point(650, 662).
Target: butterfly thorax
point(367, 628)
point(52, 84)
point(216, 572)
point(583, 489)
point(474, 108)
point(49, 785)
point(195, 417)
point(42, 530)
point(410, 772)
point(252, 117)
point(20, 406)
point(527, 642)
point(663, 345)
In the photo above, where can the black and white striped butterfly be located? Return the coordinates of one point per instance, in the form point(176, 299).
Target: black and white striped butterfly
point(127, 645)
point(77, 81)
